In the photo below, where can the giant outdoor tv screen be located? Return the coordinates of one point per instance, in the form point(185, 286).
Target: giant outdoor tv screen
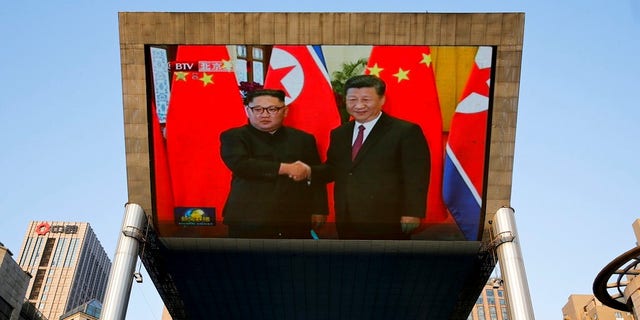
point(195, 94)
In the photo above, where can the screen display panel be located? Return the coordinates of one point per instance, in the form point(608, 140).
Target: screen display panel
point(219, 154)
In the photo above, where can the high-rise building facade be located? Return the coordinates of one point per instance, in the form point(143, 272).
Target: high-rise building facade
point(491, 304)
point(586, 306)
point(67, 263)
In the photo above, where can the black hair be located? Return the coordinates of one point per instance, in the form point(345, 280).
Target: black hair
point(279, 94)
point(366, 81)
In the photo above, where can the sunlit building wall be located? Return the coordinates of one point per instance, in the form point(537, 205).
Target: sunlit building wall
point(586, 306)
point(491, 304)
point(68, 265)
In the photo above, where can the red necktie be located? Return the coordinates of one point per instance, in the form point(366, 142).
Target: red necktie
point(358, 143)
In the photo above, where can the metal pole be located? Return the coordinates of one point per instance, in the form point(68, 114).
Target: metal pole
point(118, 291)
point(512, 265)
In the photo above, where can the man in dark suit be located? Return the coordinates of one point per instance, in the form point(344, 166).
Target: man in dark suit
point(270, 196)
point(380, 165)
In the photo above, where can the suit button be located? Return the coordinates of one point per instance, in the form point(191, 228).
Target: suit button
point(350, 173)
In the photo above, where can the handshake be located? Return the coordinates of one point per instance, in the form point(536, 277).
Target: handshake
point(297, 171)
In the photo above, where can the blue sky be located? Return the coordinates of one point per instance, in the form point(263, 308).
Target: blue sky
point(575, 179)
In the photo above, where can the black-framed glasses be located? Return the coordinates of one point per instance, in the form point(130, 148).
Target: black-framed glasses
point(269, 110)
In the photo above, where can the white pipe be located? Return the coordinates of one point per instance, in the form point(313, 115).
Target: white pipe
point(118, 291)
point(512, 265)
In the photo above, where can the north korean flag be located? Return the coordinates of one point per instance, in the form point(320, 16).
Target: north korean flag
point(301, 73)
point(465, 149)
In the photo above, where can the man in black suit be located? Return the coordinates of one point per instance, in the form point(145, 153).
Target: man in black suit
point(381, 179)
point(270, 195)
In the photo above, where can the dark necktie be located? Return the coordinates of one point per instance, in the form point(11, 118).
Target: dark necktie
point(358, 143)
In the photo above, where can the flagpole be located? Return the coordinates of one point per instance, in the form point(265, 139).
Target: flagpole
point(507, 245)
point(121, 276)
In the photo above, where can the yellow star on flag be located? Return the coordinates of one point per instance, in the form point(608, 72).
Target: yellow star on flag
point(181, 75)
point(375, 70)
point(402, 75)
point(206, 79)
point(426, 59)
point(227, 65)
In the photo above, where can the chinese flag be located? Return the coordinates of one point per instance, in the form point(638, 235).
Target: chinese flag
point(204, 102)
point(301, 73)
point(412, 95)
point(465, 151)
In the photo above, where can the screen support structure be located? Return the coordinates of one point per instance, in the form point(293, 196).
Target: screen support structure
point(505, 243)
point(122, 272)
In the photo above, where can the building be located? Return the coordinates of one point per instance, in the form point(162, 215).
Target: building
point(89, 310)
point(12, 287)
point(586, 306)
point(491, 304)
point(68, 265)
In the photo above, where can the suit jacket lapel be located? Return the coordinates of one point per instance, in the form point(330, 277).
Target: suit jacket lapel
point(344, 137)
point(374, 136)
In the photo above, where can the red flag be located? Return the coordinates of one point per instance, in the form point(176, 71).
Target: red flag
point(205, 100)
point(301, 73)
point(465, 153)
point(469, 124)
point(164, 193)
point(412, 95)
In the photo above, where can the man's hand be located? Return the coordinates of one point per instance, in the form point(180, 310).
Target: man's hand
point(297, 171)
point(409, 224)
point(307, 171)
point(317, 221)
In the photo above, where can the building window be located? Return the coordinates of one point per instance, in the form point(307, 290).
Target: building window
point(36, 252)
point(490, 297)
point(58, 253)
point(72, 252)
point(481, 315)
point(24, 252)
point(251, 63)
point(479, 301)
point(493, 313)
point(505, 314)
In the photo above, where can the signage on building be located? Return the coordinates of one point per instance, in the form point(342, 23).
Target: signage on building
point(44, 228)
